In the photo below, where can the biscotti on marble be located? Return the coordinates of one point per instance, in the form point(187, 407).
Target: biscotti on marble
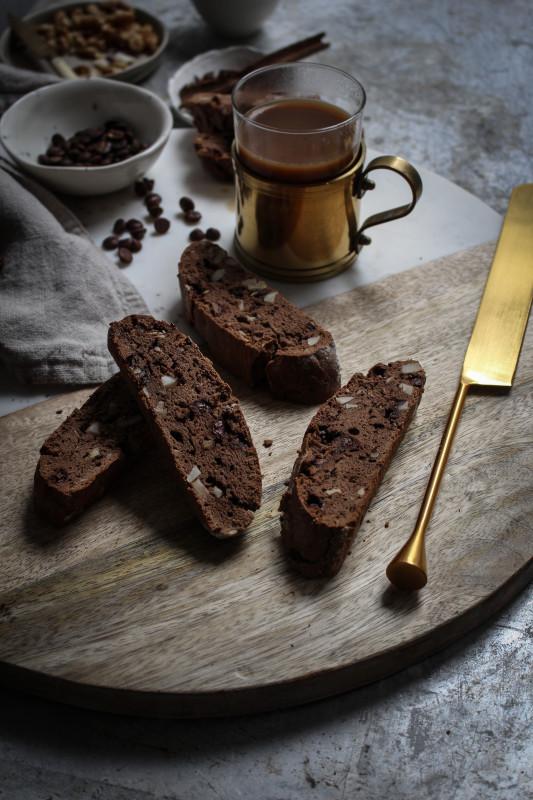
point(194, 419)
point(90, 448)
point(214, 152)
point(347, 448)
point(253, 331)
point(212, 112)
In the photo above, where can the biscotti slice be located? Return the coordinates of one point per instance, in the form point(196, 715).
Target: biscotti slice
point(194, 418)
point(212, 112)
point(89, 449)
point(346, 450)
point(214, 151)
point(253, 331)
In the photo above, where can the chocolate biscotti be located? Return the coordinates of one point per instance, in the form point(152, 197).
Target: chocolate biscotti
point(89, 449)
point(253, 331)
point(346, 451)
point(194, 419)
point(212, 112)
point(214, 152)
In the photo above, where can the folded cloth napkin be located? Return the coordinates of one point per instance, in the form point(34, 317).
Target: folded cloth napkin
point(58, 291)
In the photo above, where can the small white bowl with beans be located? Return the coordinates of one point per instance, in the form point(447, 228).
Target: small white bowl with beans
point(66, 108)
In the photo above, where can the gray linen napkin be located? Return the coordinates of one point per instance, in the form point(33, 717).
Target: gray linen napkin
point(58, 290)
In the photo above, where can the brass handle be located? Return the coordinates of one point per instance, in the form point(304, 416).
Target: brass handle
point(408, 568)
point(407, 172)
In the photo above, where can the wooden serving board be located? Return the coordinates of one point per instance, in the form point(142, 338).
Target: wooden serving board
point(135, 608)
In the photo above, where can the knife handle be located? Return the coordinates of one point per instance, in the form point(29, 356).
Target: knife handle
point(408, 568)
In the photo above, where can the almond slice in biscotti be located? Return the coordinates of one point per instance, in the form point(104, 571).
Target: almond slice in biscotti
point(90, 448)
point(194, 419)
point(253, 331)
point(346, 450)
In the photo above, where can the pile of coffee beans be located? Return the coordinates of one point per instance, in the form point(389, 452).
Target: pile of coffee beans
point(191, 215)
point(130, 243)
point(107, 144)
point(127, 234)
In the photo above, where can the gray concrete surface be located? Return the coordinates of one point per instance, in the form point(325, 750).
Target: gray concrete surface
point(449, 87)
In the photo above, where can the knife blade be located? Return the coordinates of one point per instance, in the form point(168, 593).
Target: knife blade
point(491, 360)
point(38, 48)
point(494, 348)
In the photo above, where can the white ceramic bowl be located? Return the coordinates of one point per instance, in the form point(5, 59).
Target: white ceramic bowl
point(26, 130)
point(235, 18)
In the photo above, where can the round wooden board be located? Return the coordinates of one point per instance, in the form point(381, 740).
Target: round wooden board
point(134, 608)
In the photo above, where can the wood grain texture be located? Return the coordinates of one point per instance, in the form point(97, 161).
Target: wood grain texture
point(135, 608)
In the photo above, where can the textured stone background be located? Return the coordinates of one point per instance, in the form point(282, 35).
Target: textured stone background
point(449, 87)
point(449, 84)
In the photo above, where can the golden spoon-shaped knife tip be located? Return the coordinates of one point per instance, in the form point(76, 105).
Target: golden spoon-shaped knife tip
point(408, 568)
point(406, 576)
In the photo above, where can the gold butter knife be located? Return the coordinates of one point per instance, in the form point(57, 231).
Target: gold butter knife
point(38, 48)
point(490, 360)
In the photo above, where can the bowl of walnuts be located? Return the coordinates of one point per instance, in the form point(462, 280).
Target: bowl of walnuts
point(86, 137)
point(109, 39)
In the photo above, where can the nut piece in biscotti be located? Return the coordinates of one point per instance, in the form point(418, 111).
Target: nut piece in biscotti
point(194, 419)
point(90, 448)
point(346, 451)
point(253, 331)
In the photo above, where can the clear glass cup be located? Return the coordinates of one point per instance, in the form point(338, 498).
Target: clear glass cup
point(299, 160)
point(298, 123)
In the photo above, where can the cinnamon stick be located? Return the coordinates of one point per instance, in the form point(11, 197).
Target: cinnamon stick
point(225, 80)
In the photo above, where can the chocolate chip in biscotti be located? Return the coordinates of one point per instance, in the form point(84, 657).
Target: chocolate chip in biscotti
point(194, 419)
point(253, 331)
point(346, 450)
point(90, 448)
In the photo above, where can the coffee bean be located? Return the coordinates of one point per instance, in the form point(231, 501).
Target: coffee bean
point(143, 186)
point(135, 246)
point(140, 188)
point(196, 235)
point(134, 224)
point(125, 255)
point(138, 233)
point(186, 204)
point(192, 216)
point(110, 243)
point(127, 243)
point(153, 199)
point(155, 211)
point(161, 225)
point(212, 234)
point(119, 226)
